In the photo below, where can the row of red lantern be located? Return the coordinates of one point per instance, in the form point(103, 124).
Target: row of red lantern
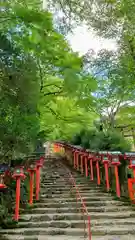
point(18, 175)
point(81, 158)
point(94, 159)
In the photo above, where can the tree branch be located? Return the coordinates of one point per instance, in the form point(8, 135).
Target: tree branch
point(53, 112)
point(52, 84)
point(52, 93)
point(56, 114)
point(41, 76)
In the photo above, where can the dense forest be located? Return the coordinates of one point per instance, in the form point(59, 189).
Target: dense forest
point(49, 91)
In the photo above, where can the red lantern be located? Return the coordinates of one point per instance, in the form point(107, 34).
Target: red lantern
point(86, 163)
point(32, 169)
point(132, 164)
point(105, 161)
point(115, 162)
point(115, 158)
point(131, 158)
point(77, 159)
point(2, 185)
point(74, 156)
point(39, 164)
point(18, 174)
point(82, 160)
point(90, 158)
point(96, 159)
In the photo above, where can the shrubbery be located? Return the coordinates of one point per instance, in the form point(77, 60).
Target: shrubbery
point(99, 140)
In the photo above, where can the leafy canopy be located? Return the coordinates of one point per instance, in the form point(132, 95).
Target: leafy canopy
point(42, 82)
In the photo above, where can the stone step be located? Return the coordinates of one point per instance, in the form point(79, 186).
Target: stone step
point(81, 180)
point(43, 185)
point(76, 216)
point(56, 183)
point(96, 231)
point(77, 224)
point(61, 172)
point(116, 221)
point(52, 169)
point(35, 237)
point(55, 224)
point(83, 195)
point(45, 231)
point(69, 186)
point(61, 180)
point(50, 181)
point(51, 217)
point(52, 176)
point(96, 209)
point(113, 230)
point(46, 198)
point(73, 203)
point(55, 216)
point(62, 184)
point(64, 237)
point(64, 187)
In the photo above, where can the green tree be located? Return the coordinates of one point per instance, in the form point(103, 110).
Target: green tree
point(40, 75)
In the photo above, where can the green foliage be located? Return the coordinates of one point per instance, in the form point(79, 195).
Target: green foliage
point(37, 66)
point(44, 92)
point(64, 118)
point(95, 140)
point(108, 17)
point(114, 70)
point(19, 123)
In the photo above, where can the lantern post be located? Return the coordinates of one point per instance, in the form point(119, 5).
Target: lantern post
point(130, 156)
point(77, 159)
point(97, 159)
point(82, 158)
point(78, 162)
point(32, 169)
point(116, 163)
point(74, 153)
point(39, 164)
point(18, 175)
point(90, 157)
point(105, 161)
point(132, 163)
point(86, 163)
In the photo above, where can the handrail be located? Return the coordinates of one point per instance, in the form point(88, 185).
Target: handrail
point(78, 196)
point(83, 205)
point(82, 201)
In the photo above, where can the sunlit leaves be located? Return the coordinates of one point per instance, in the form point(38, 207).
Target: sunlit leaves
point(42, 82)
point(64, 118)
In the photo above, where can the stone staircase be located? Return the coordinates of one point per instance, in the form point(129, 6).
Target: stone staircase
point(57, 216)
